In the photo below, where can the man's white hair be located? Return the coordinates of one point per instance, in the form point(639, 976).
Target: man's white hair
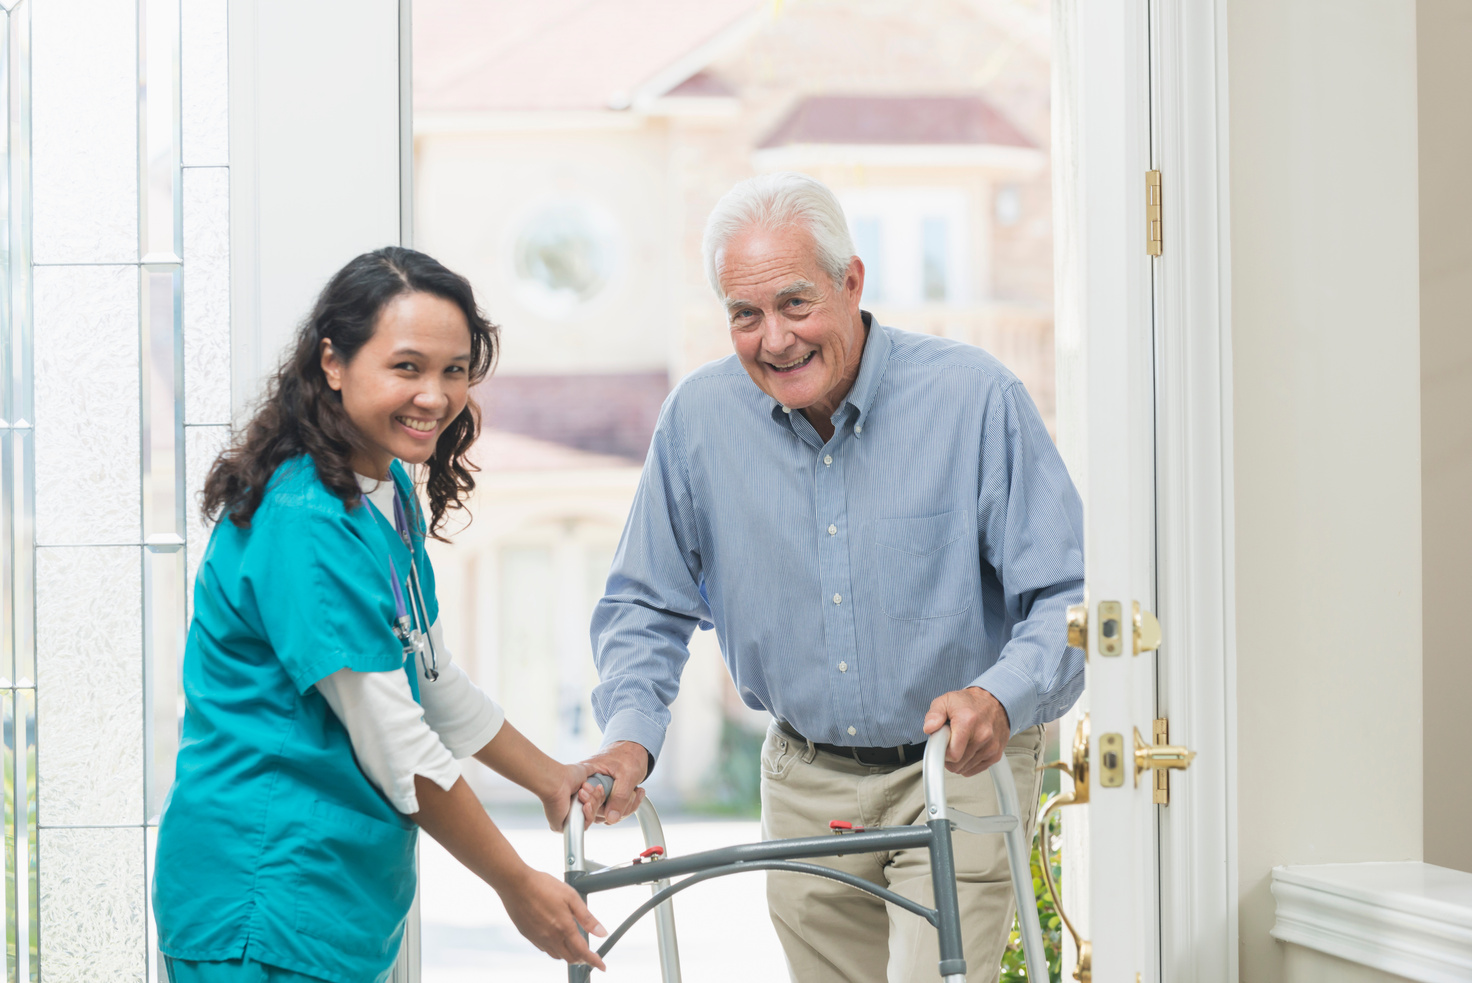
point(771, 202)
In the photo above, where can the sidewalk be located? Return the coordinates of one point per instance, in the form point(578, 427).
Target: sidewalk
point(724, 933)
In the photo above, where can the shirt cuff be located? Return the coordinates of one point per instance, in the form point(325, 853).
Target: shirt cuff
point(1014, 691)
point(631, 725)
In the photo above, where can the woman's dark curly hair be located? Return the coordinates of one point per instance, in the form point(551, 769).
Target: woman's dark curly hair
point(301, 414)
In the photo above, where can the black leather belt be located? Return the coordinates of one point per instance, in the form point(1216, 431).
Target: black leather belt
point(902, 754)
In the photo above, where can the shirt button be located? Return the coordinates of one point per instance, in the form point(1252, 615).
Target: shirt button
point(837, 598)
point(858, 428)
point(787, 410)
point(832, 530)
point(851, 732)
point(843, 667)
point(828, 459)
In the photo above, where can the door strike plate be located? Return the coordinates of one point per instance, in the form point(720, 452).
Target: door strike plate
point(1161, 793)
point(1111, 628)
point(1111, 760)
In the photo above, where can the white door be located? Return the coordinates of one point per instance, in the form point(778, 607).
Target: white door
point(1107, 430)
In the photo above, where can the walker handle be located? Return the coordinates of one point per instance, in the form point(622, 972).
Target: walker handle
point(604, 782)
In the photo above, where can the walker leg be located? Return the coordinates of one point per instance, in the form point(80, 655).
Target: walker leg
point(575, 862)
point(580, 973)
point(1021, 865)
point(947, 908)
point(664, 915)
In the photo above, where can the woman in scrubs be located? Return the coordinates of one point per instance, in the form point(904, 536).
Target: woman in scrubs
point(323, 711)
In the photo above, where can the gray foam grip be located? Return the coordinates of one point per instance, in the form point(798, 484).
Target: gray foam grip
point(603, 781)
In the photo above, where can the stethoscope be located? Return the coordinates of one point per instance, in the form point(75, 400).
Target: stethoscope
point(415, 638)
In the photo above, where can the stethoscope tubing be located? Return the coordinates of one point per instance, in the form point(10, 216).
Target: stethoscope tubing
point(415, 609)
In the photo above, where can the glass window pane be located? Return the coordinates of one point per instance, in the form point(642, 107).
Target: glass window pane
point(935, 258)
point(869, 245)
point(528, 657)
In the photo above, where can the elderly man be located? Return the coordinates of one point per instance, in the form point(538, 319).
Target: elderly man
point(886, 540)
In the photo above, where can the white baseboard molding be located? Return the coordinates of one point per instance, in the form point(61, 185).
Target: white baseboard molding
point(1410, 919)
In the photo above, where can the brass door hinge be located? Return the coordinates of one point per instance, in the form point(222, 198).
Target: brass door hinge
point(1154, 242)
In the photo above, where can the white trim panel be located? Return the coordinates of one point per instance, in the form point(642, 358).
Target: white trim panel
point(1410, 919)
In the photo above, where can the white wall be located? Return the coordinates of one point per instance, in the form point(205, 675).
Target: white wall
point(1325, 335)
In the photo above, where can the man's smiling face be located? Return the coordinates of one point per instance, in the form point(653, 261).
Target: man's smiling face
point(799, 337)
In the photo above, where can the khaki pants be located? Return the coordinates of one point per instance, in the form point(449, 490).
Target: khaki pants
point(832, 933)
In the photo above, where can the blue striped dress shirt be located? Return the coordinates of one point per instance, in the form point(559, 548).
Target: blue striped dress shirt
point(933, 543)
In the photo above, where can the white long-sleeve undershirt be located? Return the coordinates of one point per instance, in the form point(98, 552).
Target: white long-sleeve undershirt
point(395, 738)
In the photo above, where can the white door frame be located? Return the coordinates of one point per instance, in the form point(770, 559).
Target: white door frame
point(1196, 682)
point(1099, 112)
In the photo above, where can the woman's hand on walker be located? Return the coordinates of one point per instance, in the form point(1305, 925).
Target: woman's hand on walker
point(548, 913)
point(557, 802)
point(628, 763)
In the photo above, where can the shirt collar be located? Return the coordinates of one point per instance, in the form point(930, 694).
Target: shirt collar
point(872, 363)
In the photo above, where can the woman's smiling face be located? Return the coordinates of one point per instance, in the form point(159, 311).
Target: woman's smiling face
point(407, 382)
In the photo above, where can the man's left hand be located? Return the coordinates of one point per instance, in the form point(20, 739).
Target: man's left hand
point(979, 729)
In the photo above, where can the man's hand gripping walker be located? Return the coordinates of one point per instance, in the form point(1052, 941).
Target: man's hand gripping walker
point(656, 868)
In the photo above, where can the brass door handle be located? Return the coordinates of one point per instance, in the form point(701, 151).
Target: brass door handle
point(1078, 768)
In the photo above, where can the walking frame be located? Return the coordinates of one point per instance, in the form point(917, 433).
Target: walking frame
point(655, 867)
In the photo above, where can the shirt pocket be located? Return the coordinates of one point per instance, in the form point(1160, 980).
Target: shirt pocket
point(922, 563)
point(357, 880)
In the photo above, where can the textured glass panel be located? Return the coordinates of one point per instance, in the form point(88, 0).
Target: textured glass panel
point(159, 44)
point(92, 906)
point(163, 421)
point(206, 83)
point(28, 938)
point(156, 971)
point(87, 427)
point(84, 131)
point(89, 685)
point(201, 446)
point(163, 654)
point(207, 295)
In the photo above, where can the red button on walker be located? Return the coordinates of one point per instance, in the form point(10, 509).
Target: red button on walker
point(654, 851)
point(840, 826)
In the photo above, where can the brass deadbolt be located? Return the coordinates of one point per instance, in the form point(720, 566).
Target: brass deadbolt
point(1147, 630)
point(1078, 626)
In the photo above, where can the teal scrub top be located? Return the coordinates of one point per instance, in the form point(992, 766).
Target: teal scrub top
point(274, 846)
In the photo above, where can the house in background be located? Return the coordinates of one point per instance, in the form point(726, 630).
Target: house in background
point(566, 157)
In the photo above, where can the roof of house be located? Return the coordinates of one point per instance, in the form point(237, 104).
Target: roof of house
point(508, 55)
point(875, 119)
